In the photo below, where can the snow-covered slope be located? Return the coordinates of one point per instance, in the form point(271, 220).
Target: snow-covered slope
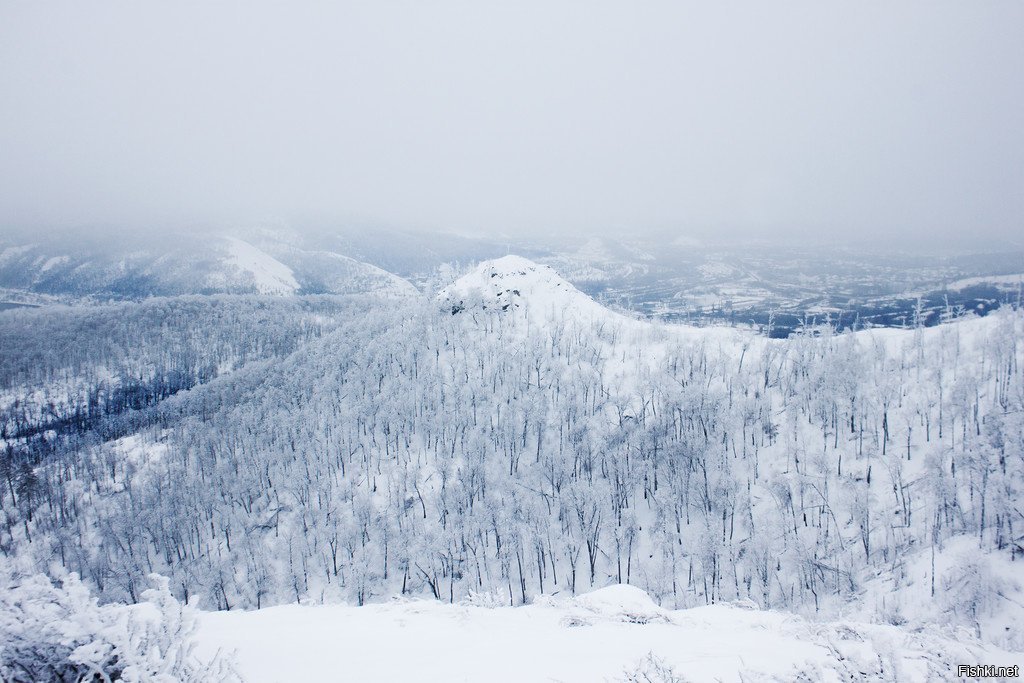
point(331, 272)
point(601, 636)
point(926, 585)
point(517, 283)
point(137, 267)
point(537, 293)
point(266, 273)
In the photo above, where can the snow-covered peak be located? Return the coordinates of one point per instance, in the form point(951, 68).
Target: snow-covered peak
point(269, 275)
point(517, 283)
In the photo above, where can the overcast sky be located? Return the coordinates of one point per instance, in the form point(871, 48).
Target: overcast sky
point(864, 119)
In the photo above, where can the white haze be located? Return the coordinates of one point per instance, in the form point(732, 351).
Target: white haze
point(771, 120)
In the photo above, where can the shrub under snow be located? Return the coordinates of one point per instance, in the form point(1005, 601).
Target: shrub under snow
point(59, 632)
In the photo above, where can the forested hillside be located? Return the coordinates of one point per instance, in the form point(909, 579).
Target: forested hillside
point(357, 451)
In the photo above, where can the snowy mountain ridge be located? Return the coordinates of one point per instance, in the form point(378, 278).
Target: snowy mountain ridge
point(139, 267)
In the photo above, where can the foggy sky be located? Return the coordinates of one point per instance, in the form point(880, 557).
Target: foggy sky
point(865, 120)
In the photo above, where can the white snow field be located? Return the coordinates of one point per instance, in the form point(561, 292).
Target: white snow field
point(600, 636)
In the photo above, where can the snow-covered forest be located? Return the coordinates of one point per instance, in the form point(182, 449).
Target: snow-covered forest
point(507, 438)
point(662, 342)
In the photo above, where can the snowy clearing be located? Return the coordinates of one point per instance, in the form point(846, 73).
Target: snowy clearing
point(594, 637)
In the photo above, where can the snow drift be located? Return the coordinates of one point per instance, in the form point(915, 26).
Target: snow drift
point(600, 636)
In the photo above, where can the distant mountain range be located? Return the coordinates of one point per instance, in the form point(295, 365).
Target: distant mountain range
point(106, 269)
point(771, 288)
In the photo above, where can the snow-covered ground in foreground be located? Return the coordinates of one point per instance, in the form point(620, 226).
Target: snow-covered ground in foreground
point(594, 637)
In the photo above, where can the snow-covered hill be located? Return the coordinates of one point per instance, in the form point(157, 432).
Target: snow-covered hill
point(137, 267)
point(608, 635)
point(267, 274)
point(518, 284)
point(537, 291)
point(330, 272)
point(519, 440)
